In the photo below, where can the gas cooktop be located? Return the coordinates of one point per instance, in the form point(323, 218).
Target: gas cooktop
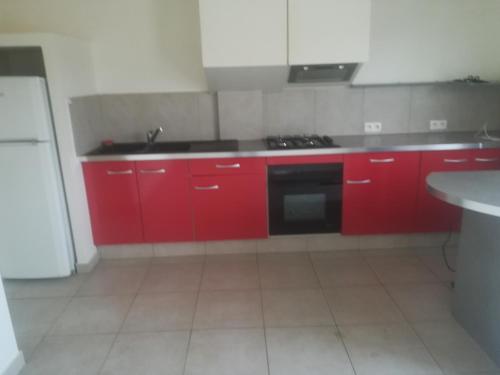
point(299, 142)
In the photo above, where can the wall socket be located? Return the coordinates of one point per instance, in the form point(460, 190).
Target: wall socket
point(373, 127)
point(436, 125)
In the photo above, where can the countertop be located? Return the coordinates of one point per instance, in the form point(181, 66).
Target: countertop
point(476, 191)
point(348, 144)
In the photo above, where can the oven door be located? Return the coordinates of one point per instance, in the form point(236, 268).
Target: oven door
point(305, 199)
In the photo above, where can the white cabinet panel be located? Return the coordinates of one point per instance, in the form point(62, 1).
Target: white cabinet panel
point(328, 31)
point(241, 33)
point(432, 40)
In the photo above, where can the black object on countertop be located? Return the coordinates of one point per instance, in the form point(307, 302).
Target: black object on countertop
point(299, 142)
point(165, 147)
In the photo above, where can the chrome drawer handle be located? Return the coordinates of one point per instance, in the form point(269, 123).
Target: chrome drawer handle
point(359, 182)
point(126, 171)
point(486, 160)
point(153, 171)
point(388, 160)
point(228, 166)
point(212, 187)
point(456, 161)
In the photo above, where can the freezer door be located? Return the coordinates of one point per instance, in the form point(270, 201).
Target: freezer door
point(24, 109)
point(34, 231)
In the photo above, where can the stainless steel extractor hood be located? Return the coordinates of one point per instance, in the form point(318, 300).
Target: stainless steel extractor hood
point(325, 73)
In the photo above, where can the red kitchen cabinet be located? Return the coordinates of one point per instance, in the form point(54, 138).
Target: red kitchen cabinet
point(434, 215)
point(230, 206)
point(165, 200)
point(482, 160)
point(380, 191)
point(227, 166)
point(113, 202)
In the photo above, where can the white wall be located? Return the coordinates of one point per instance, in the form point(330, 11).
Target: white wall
point(137, 45)
point(11, 359)
point(432, 40)
point(69, 73)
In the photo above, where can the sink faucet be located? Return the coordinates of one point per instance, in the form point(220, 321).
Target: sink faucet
point(153, 134)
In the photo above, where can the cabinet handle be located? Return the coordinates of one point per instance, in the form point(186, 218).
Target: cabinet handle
point(388, 160)
point(126, 171)
point(212, 187)
point(486, 160)
point(456, 161)
point(228, 166)
point(359, 182)
point(153, 171)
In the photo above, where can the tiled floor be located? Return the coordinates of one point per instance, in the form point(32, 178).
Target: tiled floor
point(363, 313)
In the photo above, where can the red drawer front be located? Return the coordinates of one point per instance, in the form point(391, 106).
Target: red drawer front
point(227, 166)
point(297, 160)
point(165, 200)
point(178, 168)
point(485, 159)
point(113, 202)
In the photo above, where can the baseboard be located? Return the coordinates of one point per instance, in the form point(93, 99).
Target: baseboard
point(288, 243)
point(16, 365)
point(89, 266)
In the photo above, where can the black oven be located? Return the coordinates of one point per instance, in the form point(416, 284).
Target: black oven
point(305, 198)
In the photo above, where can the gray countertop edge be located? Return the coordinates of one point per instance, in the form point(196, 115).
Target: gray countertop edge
point(437, 185)
point(277, 153)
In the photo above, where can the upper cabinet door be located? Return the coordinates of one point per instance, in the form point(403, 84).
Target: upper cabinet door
point(432, 40)
point(328, 31)
point(243, 33)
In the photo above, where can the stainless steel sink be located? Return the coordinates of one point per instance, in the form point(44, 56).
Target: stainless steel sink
point(138, 148)
point(142, 148)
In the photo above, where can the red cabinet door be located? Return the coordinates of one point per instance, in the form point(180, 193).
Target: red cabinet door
point(113, 202)
point(165, 200)
point(434, 215)
point(483, 160)
point(230, 207)
point(380, 192)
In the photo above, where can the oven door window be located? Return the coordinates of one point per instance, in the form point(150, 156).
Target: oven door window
point(304, 207)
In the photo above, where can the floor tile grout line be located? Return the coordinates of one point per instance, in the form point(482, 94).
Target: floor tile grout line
point(195, 309)
point(264, 325)
point(408, 323)
point(337, 329)
point(117, 333)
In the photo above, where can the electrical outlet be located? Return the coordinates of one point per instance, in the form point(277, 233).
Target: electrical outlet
point(373, 127)
point(437, 125)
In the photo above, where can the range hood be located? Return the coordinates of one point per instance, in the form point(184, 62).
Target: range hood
point(325, 73)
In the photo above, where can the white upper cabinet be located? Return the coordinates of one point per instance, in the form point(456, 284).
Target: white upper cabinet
point(243, 33)
point(328, 31)
point(432, 40)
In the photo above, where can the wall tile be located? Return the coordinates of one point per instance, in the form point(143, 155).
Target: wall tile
point(464, 107)
point(289, 112)
point(209, 116)
point(339, 110)
point(86, 120)
point(240, 115)
point(388, 105)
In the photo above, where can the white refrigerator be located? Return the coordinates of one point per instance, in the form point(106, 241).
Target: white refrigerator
point(35, 236)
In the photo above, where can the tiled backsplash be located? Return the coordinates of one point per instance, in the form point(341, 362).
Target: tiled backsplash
point(333, 110)
point(127, 118)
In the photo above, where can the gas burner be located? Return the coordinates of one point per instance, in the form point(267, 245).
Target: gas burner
point(299, 142)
